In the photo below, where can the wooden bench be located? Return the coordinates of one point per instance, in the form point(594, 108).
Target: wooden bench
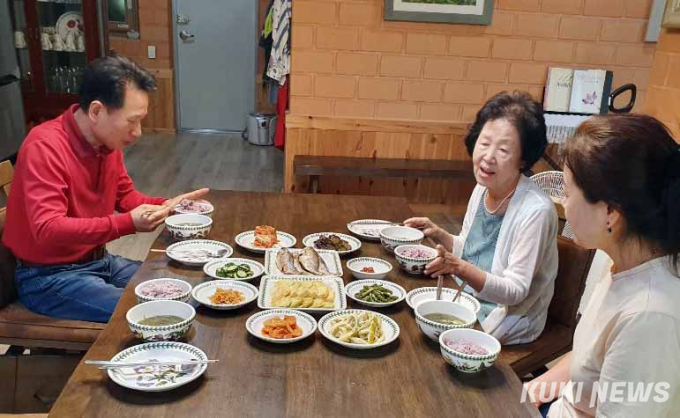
point(317, 166)
point(557, 337)
point(37, 379)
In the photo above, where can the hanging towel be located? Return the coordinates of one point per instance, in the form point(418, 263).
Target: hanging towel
point(279, 62)
point(266, 43)
point(281, 107)
point(268, 23)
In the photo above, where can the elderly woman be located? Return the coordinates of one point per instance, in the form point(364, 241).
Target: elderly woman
point(622, 195)
point(507, 249)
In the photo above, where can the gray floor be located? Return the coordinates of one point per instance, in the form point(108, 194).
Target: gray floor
point(167, 165)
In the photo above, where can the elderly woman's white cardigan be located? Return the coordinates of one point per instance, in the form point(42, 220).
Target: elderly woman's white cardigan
point(524, 267)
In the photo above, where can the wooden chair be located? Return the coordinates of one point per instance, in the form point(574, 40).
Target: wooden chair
point(557, 337)
point(34, 381)
point(552, 183)
point(18, 325)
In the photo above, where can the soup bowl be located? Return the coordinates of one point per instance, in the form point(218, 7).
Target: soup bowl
point(160, 308)
point(188, 226)
point(433, 329)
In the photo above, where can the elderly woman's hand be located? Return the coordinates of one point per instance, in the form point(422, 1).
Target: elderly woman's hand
point(445, 263)
point(430, 229)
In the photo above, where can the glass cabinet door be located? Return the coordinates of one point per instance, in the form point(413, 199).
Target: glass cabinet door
point(62, 41)
point(21, 43)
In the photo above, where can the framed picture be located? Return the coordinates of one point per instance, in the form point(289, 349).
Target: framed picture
point(671, 19)
point(474, 12)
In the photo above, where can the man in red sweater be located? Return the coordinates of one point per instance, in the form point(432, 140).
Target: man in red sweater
point(69, 179)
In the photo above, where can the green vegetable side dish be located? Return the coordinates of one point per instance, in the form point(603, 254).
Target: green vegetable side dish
point(235, 271)
point(376, 294)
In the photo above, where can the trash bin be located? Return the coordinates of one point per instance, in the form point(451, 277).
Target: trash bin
point(260, 128)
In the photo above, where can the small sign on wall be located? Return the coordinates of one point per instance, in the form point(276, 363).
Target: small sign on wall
point(474, 12)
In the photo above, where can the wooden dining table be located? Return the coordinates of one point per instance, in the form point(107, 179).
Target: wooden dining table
point(310, 378)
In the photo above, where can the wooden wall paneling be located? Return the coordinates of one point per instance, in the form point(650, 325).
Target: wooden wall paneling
point(375, 125)
point(378, 139)
point(161, 116)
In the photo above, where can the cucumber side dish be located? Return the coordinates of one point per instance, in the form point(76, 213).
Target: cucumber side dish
point(234, 271)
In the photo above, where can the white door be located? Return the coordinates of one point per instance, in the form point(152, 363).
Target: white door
point(215, 63)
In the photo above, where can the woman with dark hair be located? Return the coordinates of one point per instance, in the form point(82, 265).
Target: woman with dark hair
point(622, 196)
point(507, 250)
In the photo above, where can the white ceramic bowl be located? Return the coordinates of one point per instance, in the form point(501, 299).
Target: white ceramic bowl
point(381, 268)
point(207, 212)
point(394, 236)
point(434, 329)
point(414, 265)
point(188, 226)
point(417, 296)
point(468, 363)
point(156, 308)
point(181, 283)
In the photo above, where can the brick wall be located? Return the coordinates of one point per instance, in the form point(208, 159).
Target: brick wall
point(663, 98)
point(348, 62)
point(154, 27)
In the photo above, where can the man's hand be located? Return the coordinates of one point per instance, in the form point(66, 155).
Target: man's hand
point(196, 194)
point(147, 217)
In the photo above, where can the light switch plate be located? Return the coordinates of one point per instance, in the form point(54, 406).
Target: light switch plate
point(151, 52)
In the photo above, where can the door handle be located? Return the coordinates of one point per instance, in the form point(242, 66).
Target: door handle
point(185, 36)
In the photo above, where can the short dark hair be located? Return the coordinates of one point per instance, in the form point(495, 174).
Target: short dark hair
point(632, 163)
point(524, 113)
point(105, 80)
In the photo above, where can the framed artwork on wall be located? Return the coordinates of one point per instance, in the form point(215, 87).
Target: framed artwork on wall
point(473, 12)
point(671, 18)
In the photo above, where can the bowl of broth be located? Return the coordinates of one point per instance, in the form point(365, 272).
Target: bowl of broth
point(188, 226)
point(436, 316)
point(161, 320)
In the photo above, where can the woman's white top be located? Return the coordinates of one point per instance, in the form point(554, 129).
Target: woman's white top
point(626, 356)
point(524, 267)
